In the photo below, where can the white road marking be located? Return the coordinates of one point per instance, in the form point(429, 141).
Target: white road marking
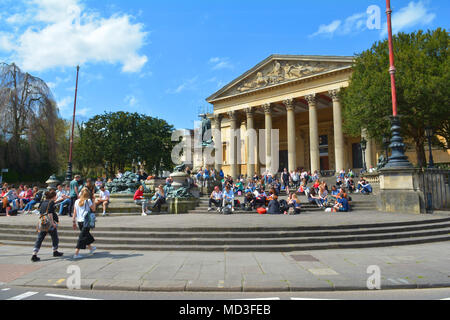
point(446, 299)
point(23, 295)
point(393, 281)
point(68, 297)
point(311, 299)
point(6, 289)
point(403, 280)
point(275, 298)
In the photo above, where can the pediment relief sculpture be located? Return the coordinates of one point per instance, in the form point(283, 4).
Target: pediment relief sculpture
point(279, 72)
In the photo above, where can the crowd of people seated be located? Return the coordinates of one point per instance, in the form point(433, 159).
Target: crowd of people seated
point(253, 190)
point(26, 200)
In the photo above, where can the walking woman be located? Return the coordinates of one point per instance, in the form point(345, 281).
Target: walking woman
point(81, 209)
point(48, 208)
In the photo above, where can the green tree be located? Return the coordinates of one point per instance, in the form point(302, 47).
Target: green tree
point(422, 80)
point(121, 137)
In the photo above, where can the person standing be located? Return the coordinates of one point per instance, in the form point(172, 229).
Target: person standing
point(48, 208)
point(285, 179)
point(73, 192)
point(82, 208)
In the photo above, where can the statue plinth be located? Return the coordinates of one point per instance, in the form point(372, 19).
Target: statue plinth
point(179, 179)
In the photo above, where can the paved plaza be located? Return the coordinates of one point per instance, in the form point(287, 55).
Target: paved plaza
point(412, 266)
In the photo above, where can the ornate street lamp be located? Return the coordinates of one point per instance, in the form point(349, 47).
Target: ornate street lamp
point(398, 158)
point(429, 132)
point(363, 148)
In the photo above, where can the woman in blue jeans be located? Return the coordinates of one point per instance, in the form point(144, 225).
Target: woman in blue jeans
point(48, 208)
point(37, 197)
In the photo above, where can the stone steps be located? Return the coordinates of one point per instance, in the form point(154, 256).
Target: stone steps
point(245, 238)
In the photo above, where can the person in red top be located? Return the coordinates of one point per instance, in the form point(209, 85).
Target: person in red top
point(27, 196)
point(140, 200)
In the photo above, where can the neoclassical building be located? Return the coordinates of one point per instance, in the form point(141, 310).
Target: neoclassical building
point(299, 96)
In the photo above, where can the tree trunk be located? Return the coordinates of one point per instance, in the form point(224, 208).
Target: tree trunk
point(420, 152)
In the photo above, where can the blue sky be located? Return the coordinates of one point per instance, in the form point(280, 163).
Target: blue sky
point(164, 58)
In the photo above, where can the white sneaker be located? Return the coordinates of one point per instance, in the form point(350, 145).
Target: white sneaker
point(93, 250)
point(144, 214)
point(77, 256)
point(209, 209)
point(232, 210)
point(36, 212)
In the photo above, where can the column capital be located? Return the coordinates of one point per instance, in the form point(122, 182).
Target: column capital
point(250, 112)
point(218, 118)
point(232, 115)
point(289, 104)
point(334, 95)
point(267, 108)
point(311, 98)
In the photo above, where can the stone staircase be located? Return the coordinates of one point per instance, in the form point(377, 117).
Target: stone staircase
point(245, 238)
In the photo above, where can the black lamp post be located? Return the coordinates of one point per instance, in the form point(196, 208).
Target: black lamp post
point(429, 133)
point(69, 165)
point(386, 142)
point(363, 148)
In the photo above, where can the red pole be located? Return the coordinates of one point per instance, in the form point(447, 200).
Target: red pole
point(391, 58)
point(73, 120)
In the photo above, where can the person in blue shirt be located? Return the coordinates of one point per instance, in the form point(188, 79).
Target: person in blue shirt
point(228, 197)
point(341, 204)
point(221, 174)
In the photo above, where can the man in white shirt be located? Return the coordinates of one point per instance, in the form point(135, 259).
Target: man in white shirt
point(103, 199)
point(216, 198)
point(62, 198)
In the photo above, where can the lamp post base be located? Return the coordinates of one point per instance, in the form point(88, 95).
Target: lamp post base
point(69, 172)
point(397, 158)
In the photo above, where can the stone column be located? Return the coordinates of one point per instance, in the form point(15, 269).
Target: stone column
point(339, 145)
point(233, 152)
point(218, 157)
point(251, 142)
point(268, 119)
point(369, 149)
point(313, 133)
point(292, 154)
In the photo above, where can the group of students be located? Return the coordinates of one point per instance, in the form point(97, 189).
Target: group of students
point(18, 200)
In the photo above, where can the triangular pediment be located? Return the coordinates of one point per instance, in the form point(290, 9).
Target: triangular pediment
point(280, 69)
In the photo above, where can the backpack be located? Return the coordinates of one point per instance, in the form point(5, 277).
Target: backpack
point(44, 222)
point(89, 219)
point(284, 206)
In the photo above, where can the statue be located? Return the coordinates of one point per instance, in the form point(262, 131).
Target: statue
point(382, 161)
point(206, 127)
point(180, 168)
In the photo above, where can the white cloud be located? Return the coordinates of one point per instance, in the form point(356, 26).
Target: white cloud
point(414, 14)
point(220, 63)
point(329, 29)
point(186, 85)
point(82, 112)
point(131, 100)
point(64, 103)
point(61, 33)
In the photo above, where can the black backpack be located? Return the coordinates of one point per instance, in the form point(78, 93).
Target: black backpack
point(284, 206)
